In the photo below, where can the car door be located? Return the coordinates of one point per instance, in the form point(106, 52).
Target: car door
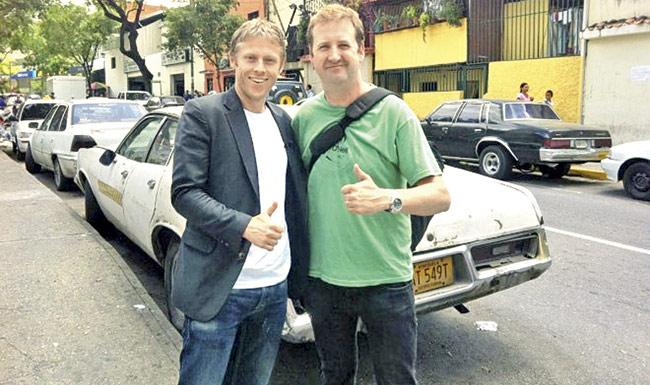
point(47, 139)
point(142, 186)
point(436, 127)
point(112, 179)
point(467, 130)
point(37, 137)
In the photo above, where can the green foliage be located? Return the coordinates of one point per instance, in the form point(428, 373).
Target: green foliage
point(302, 29)
point(409, 12)
point(17, 15)
point(450, 10)
point(204, 25)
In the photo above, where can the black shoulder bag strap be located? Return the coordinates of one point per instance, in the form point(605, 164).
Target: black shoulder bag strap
point(328, 138)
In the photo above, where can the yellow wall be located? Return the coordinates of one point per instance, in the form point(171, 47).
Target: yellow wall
point(406, 49)
point(562, 75)
point(423, 103)
point(520, 20)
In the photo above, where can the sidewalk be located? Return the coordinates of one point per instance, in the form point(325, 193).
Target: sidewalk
point(71, 311)
point(588, 170)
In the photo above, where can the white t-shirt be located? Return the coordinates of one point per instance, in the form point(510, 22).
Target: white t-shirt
point(266, 268)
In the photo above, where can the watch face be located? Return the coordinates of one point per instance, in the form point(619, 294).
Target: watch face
point(397, 205)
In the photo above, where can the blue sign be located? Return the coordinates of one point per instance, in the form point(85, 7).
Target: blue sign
point(29, 74)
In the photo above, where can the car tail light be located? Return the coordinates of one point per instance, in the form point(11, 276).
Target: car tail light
point(82, 141)
point(598, 143)
point(557, 143)
point(494, 254)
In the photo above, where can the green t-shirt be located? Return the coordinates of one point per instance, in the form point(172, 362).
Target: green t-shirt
point(389, 145)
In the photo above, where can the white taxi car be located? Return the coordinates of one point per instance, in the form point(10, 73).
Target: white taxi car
point(630, 162)
point(72, 125)
point(491, 238)
point(29, 116)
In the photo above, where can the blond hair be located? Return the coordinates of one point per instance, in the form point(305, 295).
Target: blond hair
point(336, 12)
point(257, 28)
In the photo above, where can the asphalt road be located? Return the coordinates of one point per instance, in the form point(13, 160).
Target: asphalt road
point(585, 321)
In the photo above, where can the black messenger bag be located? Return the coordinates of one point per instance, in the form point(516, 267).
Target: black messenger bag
point(328, 138)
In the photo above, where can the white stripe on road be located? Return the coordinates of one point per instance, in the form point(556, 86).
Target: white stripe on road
point(598, 240)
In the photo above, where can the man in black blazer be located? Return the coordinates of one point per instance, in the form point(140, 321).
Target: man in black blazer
point(239, 181)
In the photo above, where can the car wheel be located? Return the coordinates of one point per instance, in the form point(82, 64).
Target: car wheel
point(176, 317)
point(31, 166)
point(20, 155)
point(636, 180)
point(556, 172)
point(287, 97)
point(60, 181)
point(495, 162)
point(92, 211)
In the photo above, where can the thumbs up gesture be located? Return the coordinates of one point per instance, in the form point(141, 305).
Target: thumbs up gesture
point(261, 231)
point(364, 197)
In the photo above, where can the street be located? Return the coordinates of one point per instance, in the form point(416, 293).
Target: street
point(583, 322)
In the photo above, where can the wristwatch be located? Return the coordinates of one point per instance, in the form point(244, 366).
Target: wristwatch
point(395, 205)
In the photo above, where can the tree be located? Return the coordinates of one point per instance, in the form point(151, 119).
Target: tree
point(205, 26)
point(128, 15)
point(40, 54)
point(73, 34)
point(16, 15)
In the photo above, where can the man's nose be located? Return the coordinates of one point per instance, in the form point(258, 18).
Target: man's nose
point(334, 55)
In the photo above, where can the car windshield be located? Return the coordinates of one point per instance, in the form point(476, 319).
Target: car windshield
point(36, 111)
point(106, 112)
point(136, 96)
point(529, 111)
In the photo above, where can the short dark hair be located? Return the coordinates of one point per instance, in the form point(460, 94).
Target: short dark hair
point(521, 86)
point(549, 92)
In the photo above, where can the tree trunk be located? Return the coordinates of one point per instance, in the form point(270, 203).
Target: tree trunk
point(133, 54)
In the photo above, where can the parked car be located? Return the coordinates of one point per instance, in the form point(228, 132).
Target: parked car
point(72, 125)
point(630, 162)
point(30, 115)
point(491, 238)
point(500, 135)
point(141, 97)
point(164, 101)
point(287, 91)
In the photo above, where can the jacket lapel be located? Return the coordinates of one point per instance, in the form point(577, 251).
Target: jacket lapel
point(240, 130)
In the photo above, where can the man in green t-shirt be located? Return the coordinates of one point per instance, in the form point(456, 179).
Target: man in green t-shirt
point(359, 206)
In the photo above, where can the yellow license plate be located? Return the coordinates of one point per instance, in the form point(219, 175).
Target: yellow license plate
point(433, 274)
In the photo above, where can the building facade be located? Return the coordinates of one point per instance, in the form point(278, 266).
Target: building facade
point(617, 68)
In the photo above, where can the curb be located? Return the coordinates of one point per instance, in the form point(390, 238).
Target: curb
point(588, 173)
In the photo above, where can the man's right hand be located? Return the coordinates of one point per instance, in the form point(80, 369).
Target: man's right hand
point(262, 232)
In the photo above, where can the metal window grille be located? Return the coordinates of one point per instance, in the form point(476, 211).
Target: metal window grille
point(523, 29)
point(471, 79)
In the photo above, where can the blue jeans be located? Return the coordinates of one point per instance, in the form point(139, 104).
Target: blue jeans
point(388, 311)
point(240, 344)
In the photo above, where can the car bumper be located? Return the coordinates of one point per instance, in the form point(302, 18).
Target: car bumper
point(611, 167)
point(573, 155)
point(68, 162)
point(22, 145)
point(471, 283)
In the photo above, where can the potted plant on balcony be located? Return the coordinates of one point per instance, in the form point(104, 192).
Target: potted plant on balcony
point(450, 10)
point(424, 20)
point(410, 13)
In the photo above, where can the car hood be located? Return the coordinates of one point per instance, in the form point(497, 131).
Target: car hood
point(561, 128)
point(481, 208)
point(639, 149)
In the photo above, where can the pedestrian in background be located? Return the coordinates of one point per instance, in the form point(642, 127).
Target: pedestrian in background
point(310, 92)
point(239, 181)
point(548, 97)
point(359, 205)
point(523, 93)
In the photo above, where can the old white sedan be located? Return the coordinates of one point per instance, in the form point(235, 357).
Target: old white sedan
point(630, 162)
point(72, 125)
point(491, 239)
point(29, 116)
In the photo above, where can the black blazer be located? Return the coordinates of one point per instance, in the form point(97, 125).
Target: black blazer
point(215, 187)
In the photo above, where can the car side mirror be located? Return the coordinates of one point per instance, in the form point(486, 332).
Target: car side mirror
point(33, 125)
point(107, 157)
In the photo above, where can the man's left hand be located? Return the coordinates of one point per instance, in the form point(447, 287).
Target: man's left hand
point(364, 197)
